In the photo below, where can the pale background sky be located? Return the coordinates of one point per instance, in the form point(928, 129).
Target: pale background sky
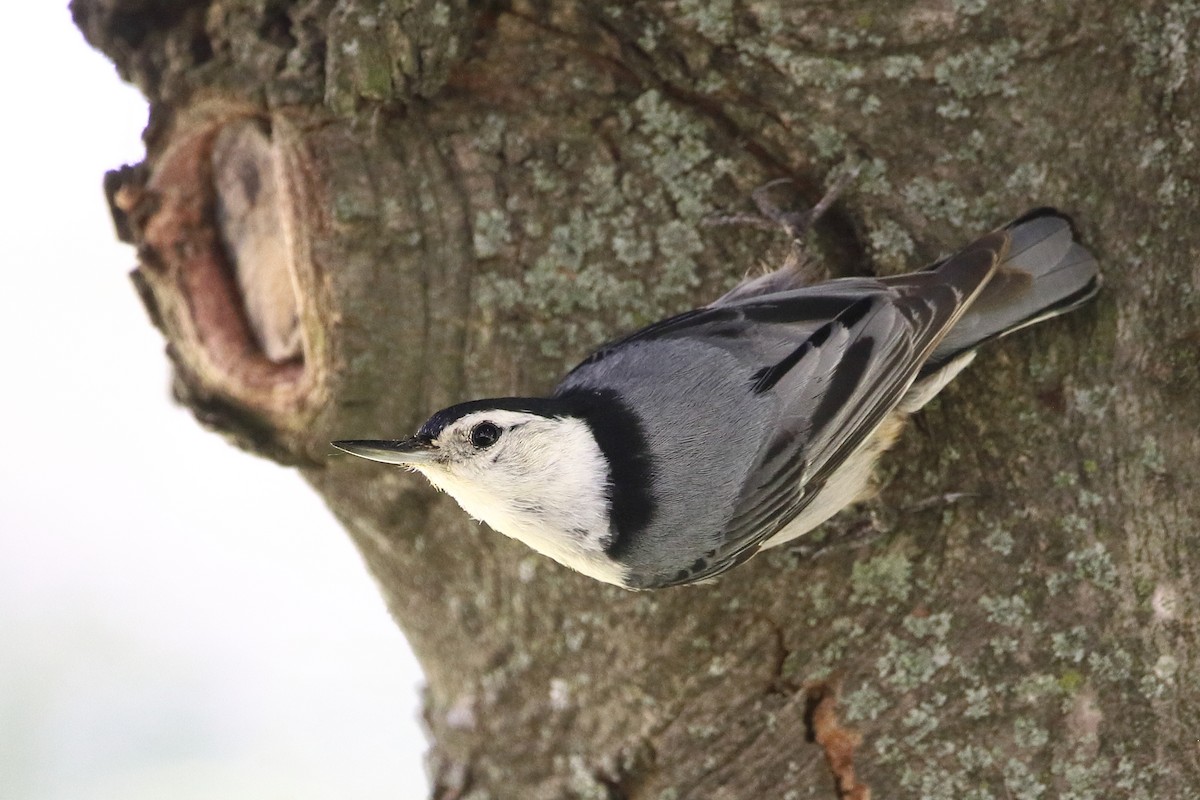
point(177, 619)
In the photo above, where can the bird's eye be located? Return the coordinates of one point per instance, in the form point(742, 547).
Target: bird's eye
point(484, 435)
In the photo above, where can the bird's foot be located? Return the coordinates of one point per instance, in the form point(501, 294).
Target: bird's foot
point(770, 216)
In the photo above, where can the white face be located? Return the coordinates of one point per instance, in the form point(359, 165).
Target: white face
point(540, 480)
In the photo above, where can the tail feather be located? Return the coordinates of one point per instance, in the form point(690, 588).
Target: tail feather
point(1046, 272)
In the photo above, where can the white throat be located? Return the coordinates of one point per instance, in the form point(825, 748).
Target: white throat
point(545, 485)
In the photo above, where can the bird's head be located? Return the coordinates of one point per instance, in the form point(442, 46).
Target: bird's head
point(527, 467)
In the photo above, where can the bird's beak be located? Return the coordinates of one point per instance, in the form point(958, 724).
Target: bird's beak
point(406, 452)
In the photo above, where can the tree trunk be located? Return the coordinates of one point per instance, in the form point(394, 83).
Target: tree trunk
point(355, 212)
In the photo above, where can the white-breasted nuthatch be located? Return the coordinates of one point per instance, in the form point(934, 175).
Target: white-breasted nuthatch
point(681, 450)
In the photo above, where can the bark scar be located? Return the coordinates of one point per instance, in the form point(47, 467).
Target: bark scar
point(221, 213)
point(838, 742)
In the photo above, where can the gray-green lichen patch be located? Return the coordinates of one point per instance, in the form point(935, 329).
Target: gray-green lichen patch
point(999, 540)
point(1021, 782)
point(885, 578)
point(1166, 41)
point(828, 141)
point(970, 8)
point(1069, 645)
point(825, 73)
point(1012, 612)
point(713, 19)
point(910, 662)
point(1152, 460)
point(1094, 564)
point(937, 200)
point(584, 783)
point(490, 233)
point(890, 245)
point(978, 702)
point(1160, 680)
point(864, 703)
point(980, 72)
point(901, 68)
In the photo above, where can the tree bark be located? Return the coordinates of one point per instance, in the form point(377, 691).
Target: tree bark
point(355, 212)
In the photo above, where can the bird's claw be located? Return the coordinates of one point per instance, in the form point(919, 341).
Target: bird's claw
point(770, 216)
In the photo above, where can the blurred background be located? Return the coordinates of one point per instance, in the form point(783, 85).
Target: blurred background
point(177, 619)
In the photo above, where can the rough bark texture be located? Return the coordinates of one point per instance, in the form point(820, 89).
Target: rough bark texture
point(466, 196)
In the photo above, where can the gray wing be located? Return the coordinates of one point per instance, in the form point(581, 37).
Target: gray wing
point(734, 325)
point(836, 387)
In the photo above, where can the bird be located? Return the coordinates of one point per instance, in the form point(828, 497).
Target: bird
point(677, 452)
